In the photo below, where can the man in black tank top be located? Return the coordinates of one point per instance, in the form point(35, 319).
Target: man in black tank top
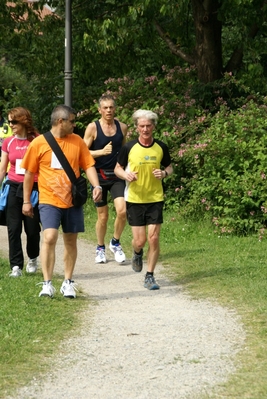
point(105, 138)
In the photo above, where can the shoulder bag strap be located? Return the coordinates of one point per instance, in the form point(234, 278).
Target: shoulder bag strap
point(60, 156)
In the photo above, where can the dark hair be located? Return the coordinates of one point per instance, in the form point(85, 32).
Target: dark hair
point(61, 112)
point(23, 116)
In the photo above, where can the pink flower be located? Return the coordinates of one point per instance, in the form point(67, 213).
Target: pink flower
point(215, 221)
point(181, 153)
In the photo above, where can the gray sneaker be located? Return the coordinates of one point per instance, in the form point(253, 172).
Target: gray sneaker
point(15, 272)
point(150, 283)
point(32, 266)
point(137, 261)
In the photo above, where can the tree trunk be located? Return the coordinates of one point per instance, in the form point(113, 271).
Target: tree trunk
point(208, 50)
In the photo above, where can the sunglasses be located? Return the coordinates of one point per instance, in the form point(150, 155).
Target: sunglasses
point(13, 121)
point(72, 121)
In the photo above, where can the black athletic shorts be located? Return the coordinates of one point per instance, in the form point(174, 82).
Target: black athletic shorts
point(144, 214)
point(116, 189)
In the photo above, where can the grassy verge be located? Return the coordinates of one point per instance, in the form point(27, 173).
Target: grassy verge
point(232, 272)
point(31, 328)
point(228, 270)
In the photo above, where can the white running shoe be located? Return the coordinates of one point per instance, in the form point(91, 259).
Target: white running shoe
point(16, 272)
point(118, 252)
point(48, 289)
point(100, 256)
point(32, 266)
point(68, 289)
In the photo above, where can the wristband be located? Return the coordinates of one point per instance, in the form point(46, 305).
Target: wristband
point(27, 202)
point(100, 188)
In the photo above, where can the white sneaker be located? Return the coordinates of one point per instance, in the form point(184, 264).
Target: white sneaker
point(48, 289)
point(16, 272)
point(32, 266)
point(68, 289)
point(118, 252)
point(100, 256)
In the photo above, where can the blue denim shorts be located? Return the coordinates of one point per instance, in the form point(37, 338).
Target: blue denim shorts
point(71, 219)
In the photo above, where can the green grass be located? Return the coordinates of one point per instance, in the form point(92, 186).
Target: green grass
point(230, 271)
point(31, 328)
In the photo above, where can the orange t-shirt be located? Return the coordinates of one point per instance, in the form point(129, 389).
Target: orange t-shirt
point(53, 183)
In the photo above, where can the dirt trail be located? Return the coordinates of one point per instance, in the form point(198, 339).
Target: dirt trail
point(135, 343)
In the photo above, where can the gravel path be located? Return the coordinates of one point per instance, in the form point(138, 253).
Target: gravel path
point(135, 343)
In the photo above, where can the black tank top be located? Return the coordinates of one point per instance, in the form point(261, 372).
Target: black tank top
point(107, 161)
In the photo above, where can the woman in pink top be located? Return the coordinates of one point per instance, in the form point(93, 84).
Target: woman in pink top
point(13, 150)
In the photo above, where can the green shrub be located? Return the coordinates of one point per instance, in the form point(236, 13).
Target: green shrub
point(227, 165)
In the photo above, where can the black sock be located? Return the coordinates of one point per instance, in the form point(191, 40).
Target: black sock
point(138, 253)
point(114, 241)
point(100, 246)
point(149, 274)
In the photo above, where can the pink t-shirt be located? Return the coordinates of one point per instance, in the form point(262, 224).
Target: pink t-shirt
point(16, 148)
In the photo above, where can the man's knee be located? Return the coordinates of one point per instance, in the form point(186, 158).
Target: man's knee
point(50, 237)
point(102, 216)
point(153, 240)
point(121, 214)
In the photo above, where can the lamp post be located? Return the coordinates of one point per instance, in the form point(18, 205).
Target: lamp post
point(68, 54)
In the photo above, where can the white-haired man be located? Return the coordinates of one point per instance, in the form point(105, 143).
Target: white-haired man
point(143, 163)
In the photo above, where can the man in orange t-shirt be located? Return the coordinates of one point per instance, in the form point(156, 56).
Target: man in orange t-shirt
point(55, 199)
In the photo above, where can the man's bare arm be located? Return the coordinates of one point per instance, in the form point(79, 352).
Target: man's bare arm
point(124, 129)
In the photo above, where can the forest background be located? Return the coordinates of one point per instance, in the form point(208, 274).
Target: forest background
point(200, 64)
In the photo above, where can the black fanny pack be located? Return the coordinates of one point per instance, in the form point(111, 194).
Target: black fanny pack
point(107, 174)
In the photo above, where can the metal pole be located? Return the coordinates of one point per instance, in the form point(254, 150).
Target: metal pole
point(68, 54)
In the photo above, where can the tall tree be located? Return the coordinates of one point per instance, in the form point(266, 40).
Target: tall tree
point(196, 32)
point(114, 38)
point(32, 44)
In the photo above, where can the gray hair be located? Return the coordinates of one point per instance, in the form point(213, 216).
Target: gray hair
point(106, 97)
point(61, 112)
point(145, 114)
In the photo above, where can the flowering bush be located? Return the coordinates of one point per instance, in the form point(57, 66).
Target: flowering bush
point(217, 140)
